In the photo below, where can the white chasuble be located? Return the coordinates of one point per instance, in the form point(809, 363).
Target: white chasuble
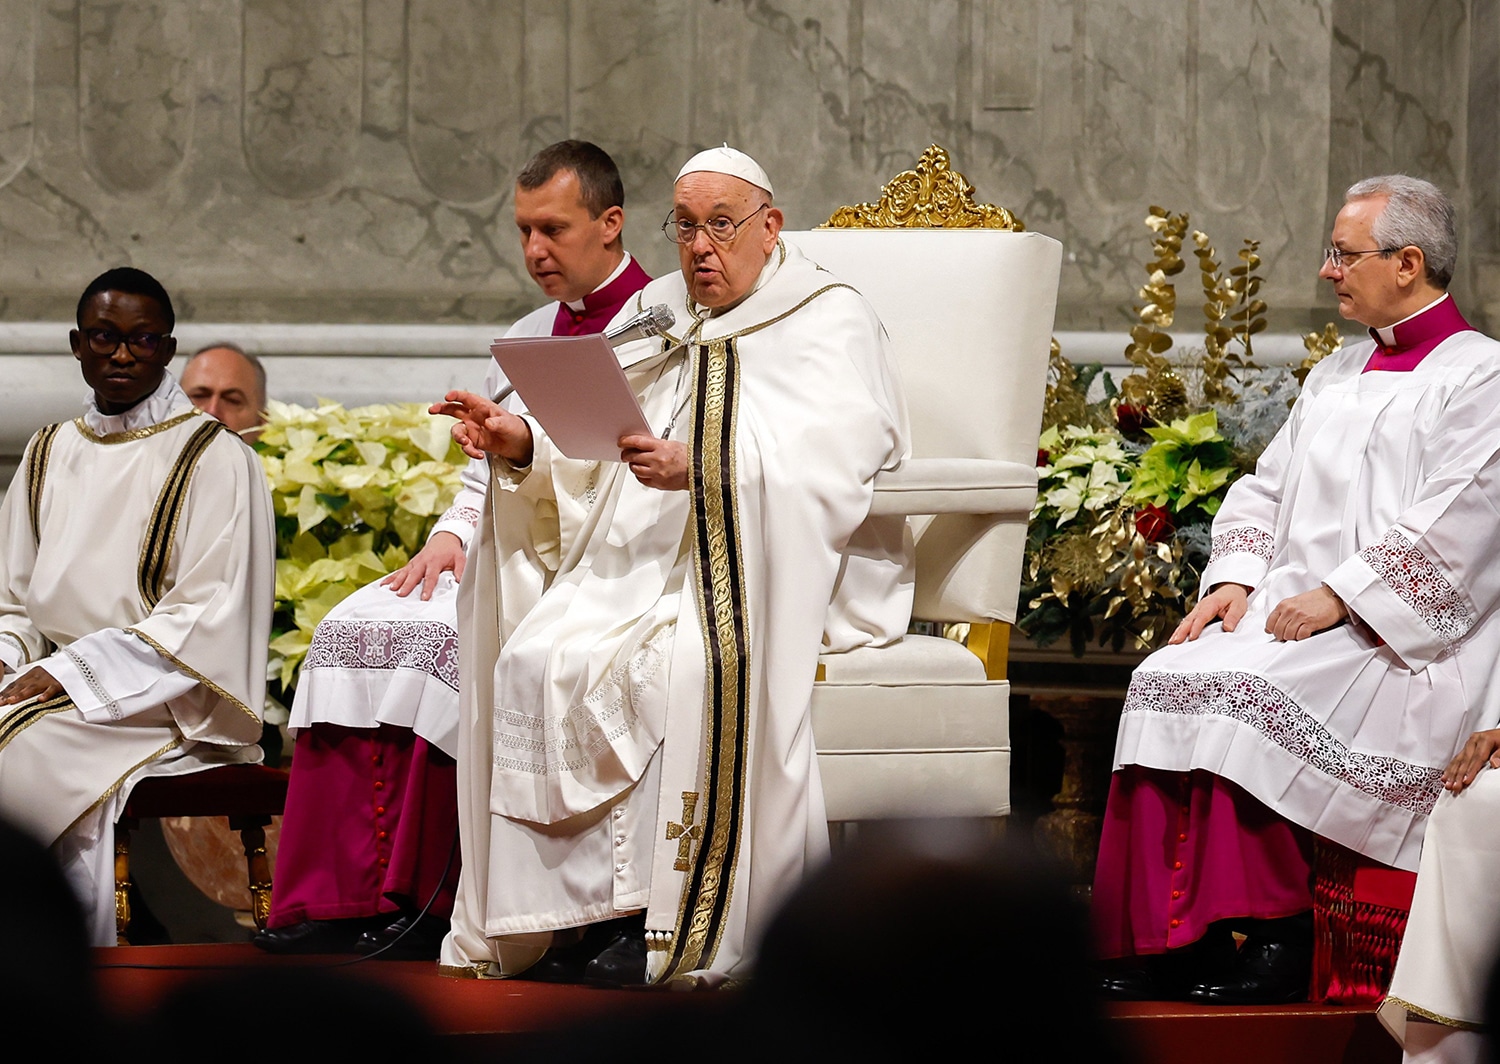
point(136, 567)
point(1386, 487)
point(642, 737)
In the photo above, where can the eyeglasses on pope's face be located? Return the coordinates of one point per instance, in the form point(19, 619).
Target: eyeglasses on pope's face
point(720, 230)
point(1339, 258)
point(107, 341)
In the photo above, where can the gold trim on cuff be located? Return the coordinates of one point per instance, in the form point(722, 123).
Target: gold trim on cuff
point(188, 670)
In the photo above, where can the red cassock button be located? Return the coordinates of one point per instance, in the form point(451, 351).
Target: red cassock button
point(1182, 837)
point(383, 862)
point(1176, 893)
point(1176, 923)
point(380, 810)
point(1175, 864)
point(380, 834)
point(379, 785)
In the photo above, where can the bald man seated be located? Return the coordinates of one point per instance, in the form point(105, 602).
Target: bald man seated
point(227, 382)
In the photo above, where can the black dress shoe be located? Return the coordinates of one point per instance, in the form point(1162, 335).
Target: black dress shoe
point(312, 936)
point(561, 964)
point(623, 962)
point(1266, 973)
point(405, 939)
point(1142, 981)
point(1170, 976)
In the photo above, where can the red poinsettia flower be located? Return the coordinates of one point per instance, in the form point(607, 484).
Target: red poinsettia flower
point(1154, 524)
point(1042, 458)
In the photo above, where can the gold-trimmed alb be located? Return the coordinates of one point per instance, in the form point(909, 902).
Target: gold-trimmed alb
point(115, 786)
point(187, 670)
point(19, 720)
point(17, 642)
point(161, 530)
point(464, 971)
point(133, 434)
point(1428, 1014)
point(36, 474)
point(931, 195)
point(723, 608)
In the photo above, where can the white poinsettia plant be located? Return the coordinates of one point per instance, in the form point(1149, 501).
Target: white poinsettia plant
point(355, 493)
point(1080, 468)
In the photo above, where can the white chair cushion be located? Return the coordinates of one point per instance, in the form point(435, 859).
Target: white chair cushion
point(924, 659)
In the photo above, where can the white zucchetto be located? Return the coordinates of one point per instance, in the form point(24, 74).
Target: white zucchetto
point(727, 160)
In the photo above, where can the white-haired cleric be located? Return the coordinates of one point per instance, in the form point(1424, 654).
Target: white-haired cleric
point(638, 786)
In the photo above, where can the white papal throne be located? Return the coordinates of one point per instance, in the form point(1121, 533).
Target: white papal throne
point(921, 728)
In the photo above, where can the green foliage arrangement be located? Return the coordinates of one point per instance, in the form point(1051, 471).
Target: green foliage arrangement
point(1128, 483)
point(355, 492)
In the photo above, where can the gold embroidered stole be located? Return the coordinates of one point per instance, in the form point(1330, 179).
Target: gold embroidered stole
point(156, 553)
point(36, 475)
point(722, 611)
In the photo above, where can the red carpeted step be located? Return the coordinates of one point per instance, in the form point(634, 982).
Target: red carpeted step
point(1169, 1033)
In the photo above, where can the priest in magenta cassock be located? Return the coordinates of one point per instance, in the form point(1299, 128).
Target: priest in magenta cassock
point(1344, 646)
point(372, 819)
point(640, 637)
point(137, 556)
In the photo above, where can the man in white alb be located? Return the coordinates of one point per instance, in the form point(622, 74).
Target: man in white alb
point(371, 824)
point(136, 567)
point(640, 637)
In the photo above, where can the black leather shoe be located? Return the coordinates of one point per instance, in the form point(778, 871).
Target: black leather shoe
point(623, 962)
point(1169, 976)
point(1265, 973)
point(405, 940)
point(311, 936)
point(1141, 982)
point(564, 964)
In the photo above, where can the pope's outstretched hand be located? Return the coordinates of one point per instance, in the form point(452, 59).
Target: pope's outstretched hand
point(484, 427)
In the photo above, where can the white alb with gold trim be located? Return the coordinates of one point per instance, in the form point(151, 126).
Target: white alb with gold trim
point(136, 566)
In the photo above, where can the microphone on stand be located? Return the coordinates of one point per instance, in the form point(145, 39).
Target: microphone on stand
point(653, 321)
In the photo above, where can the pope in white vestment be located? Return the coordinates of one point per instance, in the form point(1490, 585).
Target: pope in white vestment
point(136, 561)
point(637, 663)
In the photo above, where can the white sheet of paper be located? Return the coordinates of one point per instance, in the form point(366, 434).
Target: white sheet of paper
point(575, 387)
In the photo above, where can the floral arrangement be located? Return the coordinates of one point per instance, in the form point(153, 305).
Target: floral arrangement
point(355, 494)
point(1128, 483)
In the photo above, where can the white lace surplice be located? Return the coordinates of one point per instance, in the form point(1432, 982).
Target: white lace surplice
point(1386, 487)
point(381, 658)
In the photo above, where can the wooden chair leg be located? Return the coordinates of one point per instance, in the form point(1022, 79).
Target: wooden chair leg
point(253, 834)
point(122, 881)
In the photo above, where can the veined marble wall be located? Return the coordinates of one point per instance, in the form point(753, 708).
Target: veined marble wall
point(338, 160)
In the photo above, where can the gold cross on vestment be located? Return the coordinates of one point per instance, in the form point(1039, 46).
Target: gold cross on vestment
point(687, 832)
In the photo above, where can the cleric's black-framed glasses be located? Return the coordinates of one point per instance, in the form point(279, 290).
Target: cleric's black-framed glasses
point(720, 230)
point(105, 341)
